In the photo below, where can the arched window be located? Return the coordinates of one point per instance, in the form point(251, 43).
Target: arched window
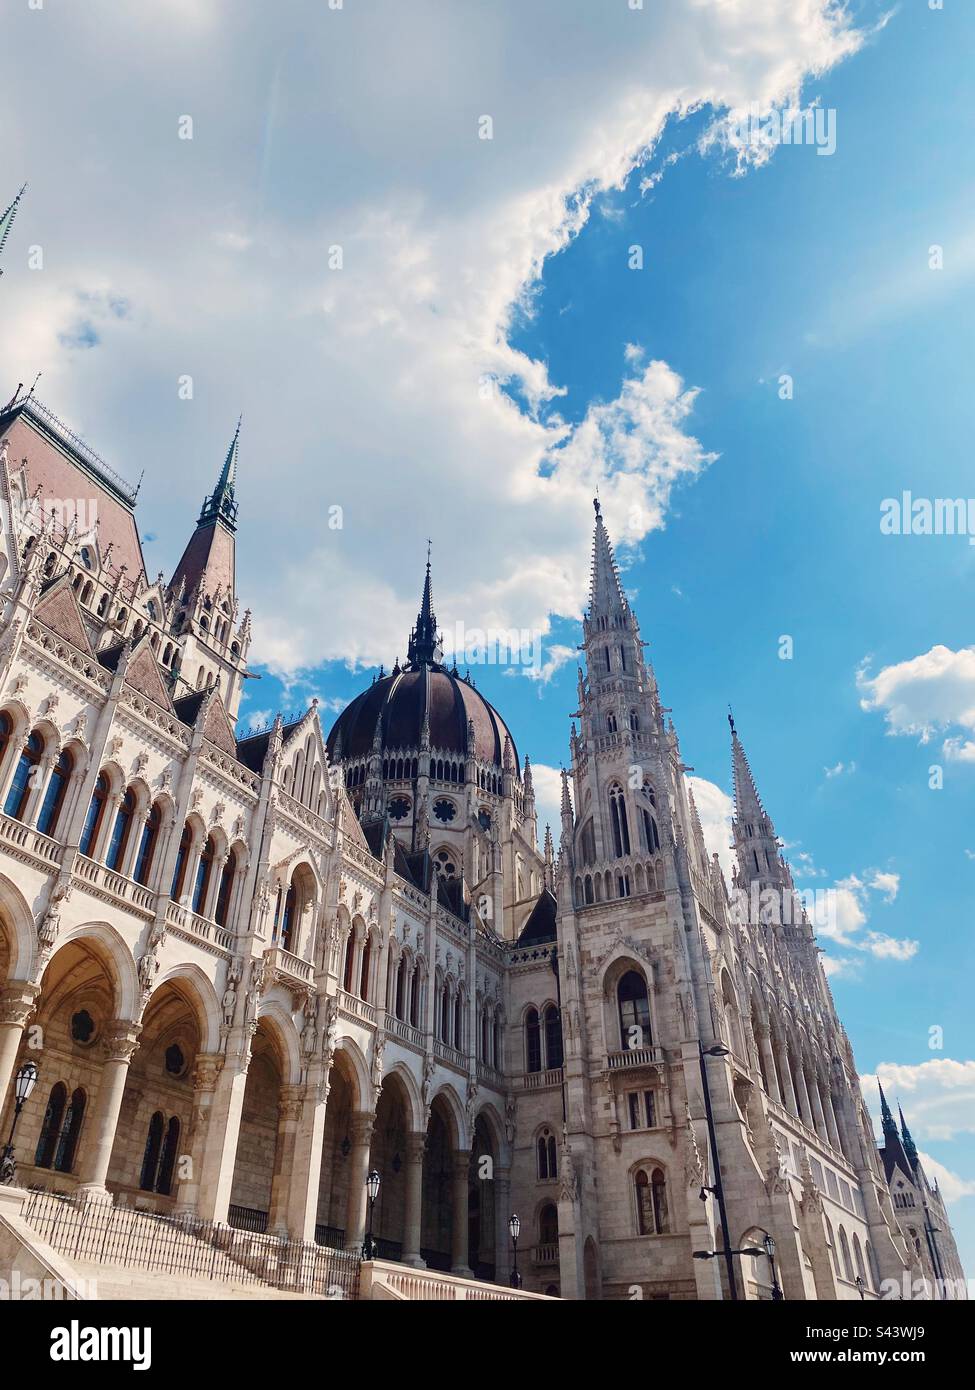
point(634, 1011)
point(349, 962)
point(617, 816)
point(400, 988)
point(548, 1224)
point(224, 891)
point(150, 1157)
point(288, 921)
point(96, 811)
point(364, 972)
point(147, 845)
point(634, 720)
point(533, 1041)
point(553, 1037)
point(6, 729)
point(496, 1057)
point(547, 1154)
point(70, 1130)
point(415, 998)
point(858, 1259)
point(24, 777)
point(651, 835)
point(845, 1253)
point(658, 1189)
point(167, 1165)
point(611, 723)
point(459, 1021)
point(54, 796)
point(644, 1204)
point(51, 1127)
point(182, 859)
point(444, 1014)
point(203, 871)
point(120, 830)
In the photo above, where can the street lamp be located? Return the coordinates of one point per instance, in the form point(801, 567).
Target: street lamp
point(769, 1244)
point(514, 1230)
point(24, 1083)
point(372, 1188)
point(717, 1051)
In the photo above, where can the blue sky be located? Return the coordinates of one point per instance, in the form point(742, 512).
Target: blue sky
point(506, 261)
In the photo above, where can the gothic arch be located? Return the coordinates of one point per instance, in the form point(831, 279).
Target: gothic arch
point(450, 1102)
point(280, 1024)
point(411, 1095)
point(356, 1072)
point(202, 996)
point(19, 930)
point(117, 959)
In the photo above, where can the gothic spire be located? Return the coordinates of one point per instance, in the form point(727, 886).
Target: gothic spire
point(221, 504)
point(886, 1118)
point(910, 1148)
point(606, 597)
point(7, 219)
point(748, 803)
point(424, 647)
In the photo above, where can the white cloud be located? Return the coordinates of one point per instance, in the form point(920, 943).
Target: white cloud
point(938, 1096)
point(886, 883)
point(715, 808)
point(952, 1187)
point(548, 801)
point(363, 387)
point(926, 695)
point(844, 912)
point(839, 769)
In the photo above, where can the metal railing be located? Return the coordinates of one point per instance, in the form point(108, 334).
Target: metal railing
point(100, 1233)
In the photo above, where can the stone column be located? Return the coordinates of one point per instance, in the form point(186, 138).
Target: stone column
point(223, 1131)
point(831, 1129)
point(360, 1132)
point(768, 1062)
point(290, 1106)
point(502, 1213)
point(121, 1042)
point(306, 1162)
point(805, 1105)
point(416, 1144)
point(819, 1119)
point(205, 1075)
point(785, 1075)
point(16, 1004)
point(461, 1177)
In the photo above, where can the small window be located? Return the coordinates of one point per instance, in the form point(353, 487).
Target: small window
point(83, 1027)
point(175, 1060)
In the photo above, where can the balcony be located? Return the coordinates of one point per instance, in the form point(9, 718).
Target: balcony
point(405, 1031)
point(192, 927)
point(541, 1080)
point(547, 1254)
point(630, 1058)
point(290, 968)
point(105, 882)
point(29, 842)
point(356, 1009)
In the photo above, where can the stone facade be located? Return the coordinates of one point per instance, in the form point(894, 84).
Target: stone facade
point(250, 970)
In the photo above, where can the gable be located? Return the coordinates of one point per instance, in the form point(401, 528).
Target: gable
point(218, 728)
point(143, 675)
point(58, 609)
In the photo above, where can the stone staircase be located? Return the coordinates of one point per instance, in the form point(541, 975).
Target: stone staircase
point(117, 1252)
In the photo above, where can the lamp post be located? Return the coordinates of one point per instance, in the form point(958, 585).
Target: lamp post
point(24, 1083)
point(717, 1051)
point(372, 1188)
point(514, 1230)
point(769, 1244)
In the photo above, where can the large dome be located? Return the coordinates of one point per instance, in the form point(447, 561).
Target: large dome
point(423, 689)
point(400, 702)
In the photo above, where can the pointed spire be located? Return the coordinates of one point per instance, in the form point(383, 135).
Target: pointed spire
point(886, 1118)
point(424, 647)
point(748, 803)
point(7, 219)
point(910, 1148)
point(606, 597)
point(549, 846)
point(221, 504)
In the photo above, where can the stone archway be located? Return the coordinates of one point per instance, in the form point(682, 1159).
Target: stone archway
point(437, 1225)
point(390, 1158)
point(157, 1105)
point(333, 1190)
point(481, 1202)
point(255, 1167)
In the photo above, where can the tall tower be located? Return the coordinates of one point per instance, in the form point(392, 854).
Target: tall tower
point(213, 639)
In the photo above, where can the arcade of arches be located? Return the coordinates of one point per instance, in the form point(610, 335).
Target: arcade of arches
point(122, 1107)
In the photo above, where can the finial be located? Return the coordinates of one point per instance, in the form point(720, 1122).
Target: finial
point(731, 720)
point(595, 503)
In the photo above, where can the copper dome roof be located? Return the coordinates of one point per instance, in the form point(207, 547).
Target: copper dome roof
point(423, 689)
point(402, 700)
